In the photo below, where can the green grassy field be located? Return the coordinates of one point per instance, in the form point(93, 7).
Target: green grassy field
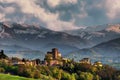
point(11, 77)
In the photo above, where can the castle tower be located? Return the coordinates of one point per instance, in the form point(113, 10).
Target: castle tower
point(2, 55)
point(55, 53)
point(2, 52)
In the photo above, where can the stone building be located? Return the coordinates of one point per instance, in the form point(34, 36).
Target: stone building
point(53, 58)
point(2, 55)
point(98, 64)
point(55, 54)
point(85, 60)
point(17, 61)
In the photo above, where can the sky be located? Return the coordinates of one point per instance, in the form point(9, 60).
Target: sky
point(61, 15)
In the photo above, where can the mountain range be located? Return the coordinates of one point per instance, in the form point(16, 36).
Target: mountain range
point(39, 38)
point(98, 34)
point(15, 36)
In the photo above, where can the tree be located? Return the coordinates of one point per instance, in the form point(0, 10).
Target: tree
point(2, 70)
point(86, 76)
point(37, 74)
point(106, 73)
point(56, 73)
point(96, 77)
point(73, 76)
point(84, 67)
point(66, 76)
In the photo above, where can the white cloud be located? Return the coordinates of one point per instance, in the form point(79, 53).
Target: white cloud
point(83, 13)
point(54, 3)
point(2, 17)
point(113, 8)
point(70, 1)
point(9, 10)
point(61, 25)
point(28, 11)
point(7, 1)
point(30, 8)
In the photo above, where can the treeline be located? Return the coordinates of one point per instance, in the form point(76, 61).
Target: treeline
point(69, 71)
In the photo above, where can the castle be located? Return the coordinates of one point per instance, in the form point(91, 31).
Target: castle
point(53, 58)
point(85, 60)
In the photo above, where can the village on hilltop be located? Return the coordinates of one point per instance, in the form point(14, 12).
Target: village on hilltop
point(52, 58)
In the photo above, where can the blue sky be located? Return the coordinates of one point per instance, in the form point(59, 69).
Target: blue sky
point(61, 15)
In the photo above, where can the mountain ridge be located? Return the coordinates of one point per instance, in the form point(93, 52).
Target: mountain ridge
point(38, 38)
point(107, 52)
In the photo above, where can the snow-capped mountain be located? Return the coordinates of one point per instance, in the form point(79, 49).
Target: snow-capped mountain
point(99, 33)
point(114, 28)
point(38, 38)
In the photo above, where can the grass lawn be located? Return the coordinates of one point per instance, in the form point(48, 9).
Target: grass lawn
point(11, 77)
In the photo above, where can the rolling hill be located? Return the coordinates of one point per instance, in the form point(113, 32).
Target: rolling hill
point(107, 52)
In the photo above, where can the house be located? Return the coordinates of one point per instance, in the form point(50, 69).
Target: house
point(98, 64)
point(53, 58)
point(16, 61)
point(5, 60)
point(85, 60)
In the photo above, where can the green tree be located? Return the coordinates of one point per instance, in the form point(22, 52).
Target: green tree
point(2, 70)
point(66, 76)
point(86, 76)
point(73, 76)
point(37, 74)
point(96, 77)
point(106, 73)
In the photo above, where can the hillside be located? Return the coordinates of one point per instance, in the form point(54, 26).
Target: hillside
point(107, 52)
point(11, 77)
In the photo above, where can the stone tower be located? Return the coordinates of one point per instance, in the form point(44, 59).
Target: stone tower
point(55, 53)
point(2, 55)
point(2, 52)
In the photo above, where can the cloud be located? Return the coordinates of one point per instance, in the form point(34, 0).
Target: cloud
point(54, 3)
point(113, 8)
point(9, 10)
point(29, 11)
point(61, 25)
point(60, 14)
point(2, 16)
